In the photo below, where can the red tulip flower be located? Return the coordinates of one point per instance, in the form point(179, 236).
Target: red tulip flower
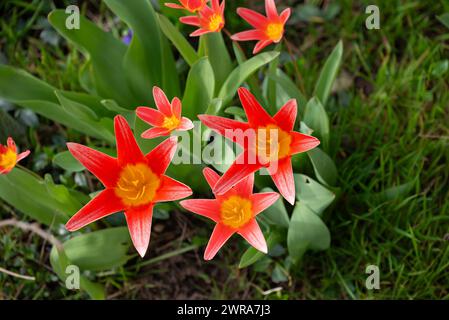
point(9, 156)
point(209, 19)
point(134, 183)
point(166, 118)
point(190, 5)
point(234, 212)
point(268, 30)
point(263, 150)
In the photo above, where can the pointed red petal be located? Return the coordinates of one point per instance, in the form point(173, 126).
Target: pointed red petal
point(254, 18)
point(209, 208)
point(257, 116)
point(231, 129)
point(127, 149)
point(260, 45)
point(174, 6)
point(185, 125)
point(219, 236)
point(249, 35)
point(199, 32)
point(155, 133)
point(161, 101)
point(104, 167)
point(176, 107)
point(239, 170)
point(104, 204)
point(302, 143)
point(252, 233)
point(22, 155)
point(11, 144)
point(283, 179)
point(286, 116)
point(160, 157)
point(171, 190)
point(270, 8)
point(245, 187)
point(215, 5)
point(139, 225)
point(262, 201)
point(190, 20)
point(211, 177)
point(285, 15)
point(151, 116)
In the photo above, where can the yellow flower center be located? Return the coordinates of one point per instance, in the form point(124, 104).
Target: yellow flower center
point(215, 22)
point(171, 123)
point(8, 160)
point(236, 211)
point(137, 185)
point(275, 31)
point(273, 143)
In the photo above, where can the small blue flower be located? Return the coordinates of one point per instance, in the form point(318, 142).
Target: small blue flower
point(128, 37)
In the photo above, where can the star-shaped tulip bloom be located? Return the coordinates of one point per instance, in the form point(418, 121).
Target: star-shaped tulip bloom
point(234, 212)
point(209, 19)
point(268, 142)
point(9, 156)
point(268, 30)
point(166, 119)
point(189, 5)
point(134, 183)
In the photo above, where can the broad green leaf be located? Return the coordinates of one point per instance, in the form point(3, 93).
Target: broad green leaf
point(170, 73)
point(66, 161)
point(60, 263)
point(242, 72)
point(32, 196)
point(276, 214)
point(99, 250)
point(324, 167)
point(252, 255)
point(86, 77)
point(94, 43)
point(199, 89)
point(185, 49)
point(306, 231)
point(316, 118)
point(272, 85)
point(313, 194)
point(236, 111)
point(329, 73)
point(289, 87)
point(444, 19)
point(215, 48)
point(91, 101)
point(77, 110)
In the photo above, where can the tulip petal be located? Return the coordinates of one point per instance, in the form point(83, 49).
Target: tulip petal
point(262, 201)
point(252, 233)
point(260, 45)
point(176, 107)
point(155, 133)
point(190, 20)
point(171, 190)
point(254, 18)
point(249, 35)
point(286, 116)
point(127, 149)
point(285, 15)
point(231, 129)
point(219, 236)
point(199, 32)
point(161, 101)
point(151, 116)
point(239, 170)
point(302, 142)
point(211, 177)
point(103, 166)
point(22, 155)
point(245, 187)
point(139, 225)
point(256, 114)
point(185, 125)
point(11, 144)
point(209, 208)
point(160, 157)
point(283, 179)
point(174, 6)
point(270, 8)
point(104, 204)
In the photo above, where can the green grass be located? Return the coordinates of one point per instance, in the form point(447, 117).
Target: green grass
point(391, 143)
